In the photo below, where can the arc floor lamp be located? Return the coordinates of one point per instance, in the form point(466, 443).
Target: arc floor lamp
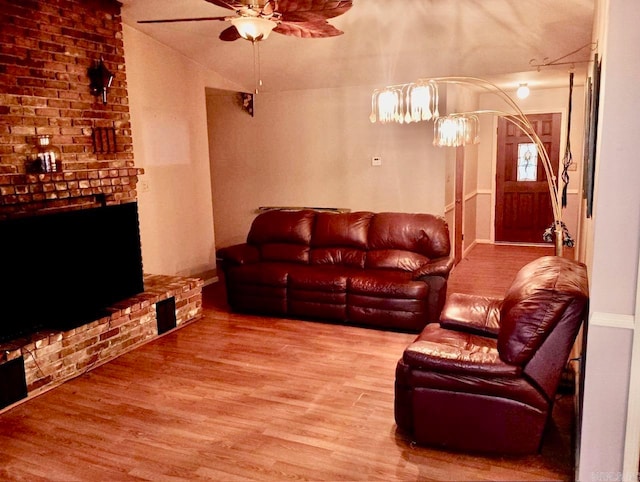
point(418, 101)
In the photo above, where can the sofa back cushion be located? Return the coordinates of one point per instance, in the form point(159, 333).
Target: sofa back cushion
point(347, 230)
point(282, 235)
point(406, 241)
point(340, 238)
point(544, 294)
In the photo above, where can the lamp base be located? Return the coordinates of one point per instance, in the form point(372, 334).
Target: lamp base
point(559, 242)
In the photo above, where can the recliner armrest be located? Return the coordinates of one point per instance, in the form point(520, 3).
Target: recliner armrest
point(238, 254)
point(435, 267)
point(472, 313)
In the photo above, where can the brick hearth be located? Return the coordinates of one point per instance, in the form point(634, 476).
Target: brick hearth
point(51, 357)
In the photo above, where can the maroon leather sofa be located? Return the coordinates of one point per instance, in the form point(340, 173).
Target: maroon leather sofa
point(387, 270)
point(485, 378)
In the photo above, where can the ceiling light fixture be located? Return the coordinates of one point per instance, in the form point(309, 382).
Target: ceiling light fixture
point(397, 104)
point(253, 29)
point(523, 91)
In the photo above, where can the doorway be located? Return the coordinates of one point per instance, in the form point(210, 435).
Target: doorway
point(523, 205)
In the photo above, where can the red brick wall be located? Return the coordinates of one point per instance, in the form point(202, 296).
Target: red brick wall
point(46, 48)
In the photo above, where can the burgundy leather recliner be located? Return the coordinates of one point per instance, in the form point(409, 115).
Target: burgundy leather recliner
point(386, 270)
point(485, 378)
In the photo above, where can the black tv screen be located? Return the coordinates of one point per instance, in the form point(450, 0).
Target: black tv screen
point(62, 270)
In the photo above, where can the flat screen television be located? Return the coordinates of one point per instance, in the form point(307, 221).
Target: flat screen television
point(62, 270)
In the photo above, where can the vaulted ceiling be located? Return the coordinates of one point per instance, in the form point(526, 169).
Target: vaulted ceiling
point(390, 41)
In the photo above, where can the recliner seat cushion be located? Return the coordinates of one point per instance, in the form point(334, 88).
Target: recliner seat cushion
point(443, 359)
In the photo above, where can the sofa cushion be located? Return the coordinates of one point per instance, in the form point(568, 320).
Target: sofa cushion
point(318, 278)
point(293, 227)
point(270, 274)
point(318, 292)
point(421, 233)
point(349, 257)
point(292, 253)
point(387, 284)
point(341, 230)
point(394, 259)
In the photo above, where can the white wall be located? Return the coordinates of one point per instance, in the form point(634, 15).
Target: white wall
point(314, 148)
point(169, 126)
point(616, 249)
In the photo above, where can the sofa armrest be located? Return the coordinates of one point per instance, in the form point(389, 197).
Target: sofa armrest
point(471, 313)
point(238, 254)
point(435, 267)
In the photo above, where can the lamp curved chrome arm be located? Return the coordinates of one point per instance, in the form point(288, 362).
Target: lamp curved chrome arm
point(402, 107)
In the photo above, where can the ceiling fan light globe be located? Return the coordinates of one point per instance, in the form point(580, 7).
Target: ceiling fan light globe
point(253, 28)
point(523, 91)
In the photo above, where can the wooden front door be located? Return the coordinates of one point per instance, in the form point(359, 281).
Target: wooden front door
point(523, 204)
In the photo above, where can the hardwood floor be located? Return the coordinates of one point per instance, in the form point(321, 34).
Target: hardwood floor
point(232, 397)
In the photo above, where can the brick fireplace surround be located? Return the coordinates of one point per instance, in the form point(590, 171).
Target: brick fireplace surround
point(46, 49)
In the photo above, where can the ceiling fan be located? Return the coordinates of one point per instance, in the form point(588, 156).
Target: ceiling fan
point(255, 19)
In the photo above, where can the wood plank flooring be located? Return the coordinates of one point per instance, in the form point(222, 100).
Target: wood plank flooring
point(235, 398)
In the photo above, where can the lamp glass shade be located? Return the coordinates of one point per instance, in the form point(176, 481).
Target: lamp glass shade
point(253, 28)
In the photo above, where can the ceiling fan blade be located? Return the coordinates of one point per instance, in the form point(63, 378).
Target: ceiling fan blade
point(174, 20)
point(230, 5)
point(229, 34)
point(311, 11)
point(308, 29)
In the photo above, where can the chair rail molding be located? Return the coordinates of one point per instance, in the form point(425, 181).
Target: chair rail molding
point(612, 320)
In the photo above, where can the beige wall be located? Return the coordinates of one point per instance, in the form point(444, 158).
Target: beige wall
point(314, 148)
point(168, 118)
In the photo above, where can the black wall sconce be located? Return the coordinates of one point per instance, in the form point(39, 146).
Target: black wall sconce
point(100, 79)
